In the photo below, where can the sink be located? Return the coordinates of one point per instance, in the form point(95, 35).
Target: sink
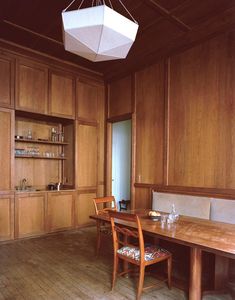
point(25, 189)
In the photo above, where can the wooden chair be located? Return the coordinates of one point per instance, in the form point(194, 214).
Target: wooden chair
point(124, 204)
point(140, 255)
point(102, 206)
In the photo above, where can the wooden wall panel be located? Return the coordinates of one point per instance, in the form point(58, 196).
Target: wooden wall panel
point(60, 210)
point(32, 87)
point(120, 97)
point(88, 96)
point(29, 215)
point(142, 198)
point(62, 95)
point(202, 115)
point(7, 79)
point(87, 146)
point(6, 148)
point(6, 217)
point(84, 207)
point(150, 124)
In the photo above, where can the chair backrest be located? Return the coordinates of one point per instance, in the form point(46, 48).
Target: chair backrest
point(126, 235)
point(193, 206)
point(104, 204)
point(223, 210)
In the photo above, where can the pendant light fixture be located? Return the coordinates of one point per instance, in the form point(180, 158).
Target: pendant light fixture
point(98, 33)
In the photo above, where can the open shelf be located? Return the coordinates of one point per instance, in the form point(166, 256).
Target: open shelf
point(40, 157)
point(41, 142)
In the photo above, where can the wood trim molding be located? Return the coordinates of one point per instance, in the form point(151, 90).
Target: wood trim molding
point(82, 121)
point(86, 190)
point(196, 191)
point(24, 52)
point(120, 118)
point(165, 13)
point(166, 129)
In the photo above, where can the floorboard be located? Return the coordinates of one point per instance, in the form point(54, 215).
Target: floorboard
point(63, 266)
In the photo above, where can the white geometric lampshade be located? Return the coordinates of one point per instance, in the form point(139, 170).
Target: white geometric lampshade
point(98, 33)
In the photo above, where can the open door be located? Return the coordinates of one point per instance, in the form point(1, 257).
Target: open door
point(121, 160)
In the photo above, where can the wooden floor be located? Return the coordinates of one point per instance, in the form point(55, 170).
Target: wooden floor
point(63, 266)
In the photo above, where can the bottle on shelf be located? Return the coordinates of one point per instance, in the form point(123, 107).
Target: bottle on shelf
point(53, 135)
point(29, 134)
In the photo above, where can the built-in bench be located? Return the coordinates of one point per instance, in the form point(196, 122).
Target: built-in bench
point(222, 210)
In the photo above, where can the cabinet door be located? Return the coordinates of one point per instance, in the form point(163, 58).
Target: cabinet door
point(60, 211)
point(84, 207)
point(6, 81)
point(32, 87)
point(62, 95)
point(87, 156)
point(29, 214)
point(88, 100)
point(6, 217)
point(6, 148)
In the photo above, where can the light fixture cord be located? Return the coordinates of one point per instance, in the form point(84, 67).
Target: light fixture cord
point(110, 4)
point(69, 5)
point(80, 4)
point(128, 11)
point(72, 3)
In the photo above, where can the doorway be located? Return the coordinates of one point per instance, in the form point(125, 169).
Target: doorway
point(121, 160)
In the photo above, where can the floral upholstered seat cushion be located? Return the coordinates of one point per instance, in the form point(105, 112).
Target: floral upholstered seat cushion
point(150, 252)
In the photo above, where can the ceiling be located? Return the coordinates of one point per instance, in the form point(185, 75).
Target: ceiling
point(166, 26)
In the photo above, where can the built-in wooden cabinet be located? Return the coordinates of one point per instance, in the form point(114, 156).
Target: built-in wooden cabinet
point(88, 101)
point(60, 210)
point(150, 107)
point(43, 147)
point(36, 99)
point(29, 214)
point(6, 148)
point(62, 95)
point(84, 207)
point(87, 156)
point(6, 217)
point(31, 87)
point(90, 131)
point(7, 80)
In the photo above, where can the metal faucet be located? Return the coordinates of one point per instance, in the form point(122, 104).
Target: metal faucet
point(23, 184)
point(58, 186)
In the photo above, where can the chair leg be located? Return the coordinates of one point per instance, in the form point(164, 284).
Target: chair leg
point(169, 270)
point(141, 282)
point(115, 269)
point(98, 240)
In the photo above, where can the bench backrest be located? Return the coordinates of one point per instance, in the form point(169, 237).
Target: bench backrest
point(223, 210)
point(193, 206)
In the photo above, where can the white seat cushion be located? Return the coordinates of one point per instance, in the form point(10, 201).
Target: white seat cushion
point(223, 210)
point(192, 206)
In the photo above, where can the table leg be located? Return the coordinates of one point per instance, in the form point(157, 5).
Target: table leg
point(195, 290)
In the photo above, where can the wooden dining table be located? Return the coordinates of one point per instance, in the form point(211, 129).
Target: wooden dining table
point(198, 234)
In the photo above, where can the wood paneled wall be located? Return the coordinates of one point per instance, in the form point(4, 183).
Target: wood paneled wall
point(120, 97)
point(185, 121)
point(150, 124)
point(202, 115)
